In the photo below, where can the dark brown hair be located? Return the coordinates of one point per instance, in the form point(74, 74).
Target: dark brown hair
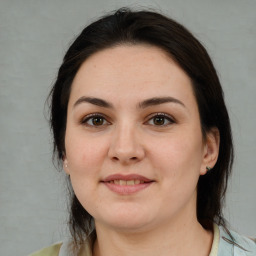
point(145, 27)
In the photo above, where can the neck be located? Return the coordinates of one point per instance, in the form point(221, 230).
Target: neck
point(178, 238)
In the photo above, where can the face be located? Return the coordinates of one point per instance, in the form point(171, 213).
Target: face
point(134, 146)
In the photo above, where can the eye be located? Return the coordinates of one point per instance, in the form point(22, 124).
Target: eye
point(160, 119)
point(94, 120)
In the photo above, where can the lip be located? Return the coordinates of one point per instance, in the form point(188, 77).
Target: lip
point(127, 189)
point(126, 177)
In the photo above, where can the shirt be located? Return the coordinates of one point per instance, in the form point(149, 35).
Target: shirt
point(225, 243)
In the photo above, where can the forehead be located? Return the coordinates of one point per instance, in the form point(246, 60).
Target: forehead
point(137, 70)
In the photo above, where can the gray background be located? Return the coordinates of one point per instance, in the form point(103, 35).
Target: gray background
point(33, 38)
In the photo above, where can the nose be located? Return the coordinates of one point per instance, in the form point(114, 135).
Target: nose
point(126, 146)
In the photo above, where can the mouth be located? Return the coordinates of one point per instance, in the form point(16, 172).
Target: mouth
point(127, 184)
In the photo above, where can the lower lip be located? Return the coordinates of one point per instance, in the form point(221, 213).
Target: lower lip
point(126, 189)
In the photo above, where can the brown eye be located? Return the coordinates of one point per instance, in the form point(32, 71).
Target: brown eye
point(97, 121)
point(160, 119)
point(94, 121)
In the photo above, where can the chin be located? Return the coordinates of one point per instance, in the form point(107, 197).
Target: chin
point(128, 221)
point(129, 226)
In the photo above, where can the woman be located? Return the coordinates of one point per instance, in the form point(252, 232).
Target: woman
point(142, 131)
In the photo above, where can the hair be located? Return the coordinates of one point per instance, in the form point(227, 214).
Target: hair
point(123, 27)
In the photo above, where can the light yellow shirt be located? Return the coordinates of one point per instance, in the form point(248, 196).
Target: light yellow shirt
point(57, 249)
point(49, 251)
point(216, 240)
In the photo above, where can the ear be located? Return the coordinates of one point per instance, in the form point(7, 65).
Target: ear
point(211, 150)
point(65, 165)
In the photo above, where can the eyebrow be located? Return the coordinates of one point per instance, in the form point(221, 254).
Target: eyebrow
point(144, 104)
point(94, 101)
point(159, 100)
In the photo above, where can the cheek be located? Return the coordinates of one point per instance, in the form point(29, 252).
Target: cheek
point(177, 152)
point(178, 159)
point(85, 158)
point(84, 154)
point(177, 165)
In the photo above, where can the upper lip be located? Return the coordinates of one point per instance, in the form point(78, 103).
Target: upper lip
point(126, 177)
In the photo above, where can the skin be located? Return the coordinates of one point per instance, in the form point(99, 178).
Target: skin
point(129, 139)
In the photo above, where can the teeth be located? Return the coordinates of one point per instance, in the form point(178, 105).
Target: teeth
point(122, 182)
point(130, 182)
point(126, 182)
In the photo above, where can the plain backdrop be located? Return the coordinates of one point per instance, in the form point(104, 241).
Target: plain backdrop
point(34, 36)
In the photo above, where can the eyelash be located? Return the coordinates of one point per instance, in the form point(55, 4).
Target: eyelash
point(90, 117)
point(166, 117)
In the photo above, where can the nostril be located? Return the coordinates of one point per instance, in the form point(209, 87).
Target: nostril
point(134, 158)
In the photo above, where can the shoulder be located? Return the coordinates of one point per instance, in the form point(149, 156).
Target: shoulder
point(233, 243)
point(49, 251)
point(66, 248)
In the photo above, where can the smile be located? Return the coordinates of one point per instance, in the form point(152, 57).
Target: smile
point(127, 184)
